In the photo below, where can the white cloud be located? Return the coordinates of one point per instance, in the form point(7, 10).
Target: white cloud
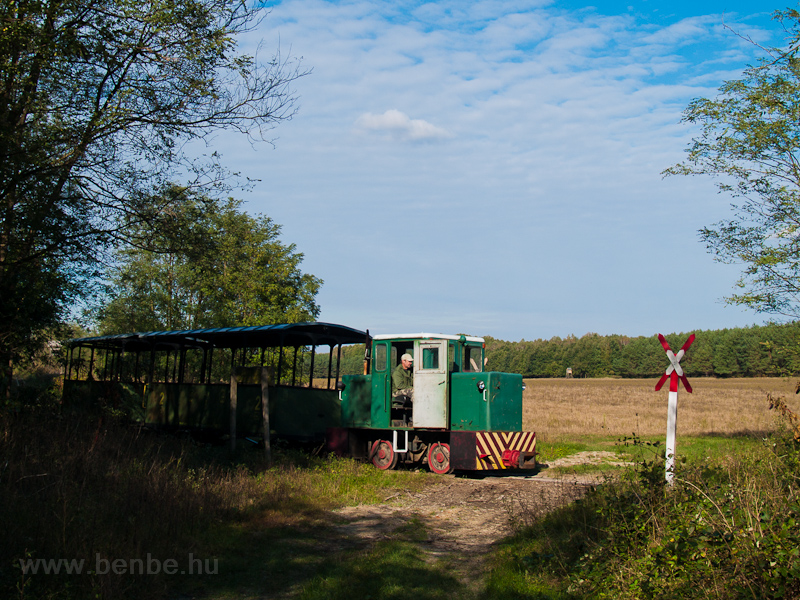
point(563, 121)
point(399, 125)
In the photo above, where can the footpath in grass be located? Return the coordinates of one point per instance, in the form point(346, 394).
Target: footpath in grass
point(294, 547)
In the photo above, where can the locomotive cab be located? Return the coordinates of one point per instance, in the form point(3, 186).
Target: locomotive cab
point(434, 359)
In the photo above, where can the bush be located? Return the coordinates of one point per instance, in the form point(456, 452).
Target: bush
point(725, 529)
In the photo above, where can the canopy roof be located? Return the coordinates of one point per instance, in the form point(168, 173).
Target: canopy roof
point(256, 336)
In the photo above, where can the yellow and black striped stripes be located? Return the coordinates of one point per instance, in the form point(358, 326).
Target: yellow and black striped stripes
point(492, 445)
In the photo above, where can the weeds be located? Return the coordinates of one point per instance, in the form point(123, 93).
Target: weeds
point(87, 487)
point(727, 528)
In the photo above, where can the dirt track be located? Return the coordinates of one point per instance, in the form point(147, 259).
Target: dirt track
point(466, 516)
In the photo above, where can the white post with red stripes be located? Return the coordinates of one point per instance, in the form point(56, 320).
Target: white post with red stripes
point(674, 372)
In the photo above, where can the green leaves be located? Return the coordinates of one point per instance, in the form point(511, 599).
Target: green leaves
point(98, 99)
point(203, 263)
point(750, 142)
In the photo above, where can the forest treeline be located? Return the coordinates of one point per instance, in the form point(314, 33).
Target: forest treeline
point(756, 351)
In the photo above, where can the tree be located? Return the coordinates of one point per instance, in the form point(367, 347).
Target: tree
point(98, 99)
point(750, 141)
point(222, 268)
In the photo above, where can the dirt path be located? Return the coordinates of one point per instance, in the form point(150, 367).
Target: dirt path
point(465, 516)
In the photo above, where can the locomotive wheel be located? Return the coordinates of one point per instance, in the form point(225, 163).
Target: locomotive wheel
point(439, 458)
point(383, 455)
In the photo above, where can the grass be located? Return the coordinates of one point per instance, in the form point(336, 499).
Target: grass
point(720, 417)
point(724, 530)
point(289, 546)
point(393, 569)
point(580, 409)
point(88, 486)
point(728, 528)
point(561, 449)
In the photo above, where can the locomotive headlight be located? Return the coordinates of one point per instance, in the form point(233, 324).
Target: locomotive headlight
point(481, 386)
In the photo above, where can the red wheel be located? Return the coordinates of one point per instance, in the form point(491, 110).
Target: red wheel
point(383, 455)
point(439, 458)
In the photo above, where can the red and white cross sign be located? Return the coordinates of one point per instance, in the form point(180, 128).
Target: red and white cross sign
point(674, 372)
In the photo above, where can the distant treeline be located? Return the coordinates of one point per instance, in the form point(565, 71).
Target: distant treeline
point(743, 352)
point(757, 351)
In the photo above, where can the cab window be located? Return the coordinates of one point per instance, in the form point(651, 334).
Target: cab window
point(379, 363)
point(430, 358)
point(473, 359)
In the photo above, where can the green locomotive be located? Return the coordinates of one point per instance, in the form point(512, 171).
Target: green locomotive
point(459, 416)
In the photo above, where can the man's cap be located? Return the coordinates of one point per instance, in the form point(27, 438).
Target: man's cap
point(407, 356)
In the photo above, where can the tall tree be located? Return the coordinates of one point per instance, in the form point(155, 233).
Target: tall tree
point(97, 101)
point(216, 267)
point(750, 142)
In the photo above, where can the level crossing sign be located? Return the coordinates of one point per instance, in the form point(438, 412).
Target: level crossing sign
point(674, 373)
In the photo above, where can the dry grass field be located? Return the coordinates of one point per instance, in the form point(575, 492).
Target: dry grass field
point(558, 409)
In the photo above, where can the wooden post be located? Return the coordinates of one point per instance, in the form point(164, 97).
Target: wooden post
point(265, 381)
point(234, 395)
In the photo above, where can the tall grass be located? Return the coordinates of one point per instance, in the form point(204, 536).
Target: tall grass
point(89, 487)
point(559, 409)
point(728, 528)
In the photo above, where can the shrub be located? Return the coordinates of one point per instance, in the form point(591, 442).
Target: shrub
point(725, 529)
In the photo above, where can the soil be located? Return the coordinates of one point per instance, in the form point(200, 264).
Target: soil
point(466, 516)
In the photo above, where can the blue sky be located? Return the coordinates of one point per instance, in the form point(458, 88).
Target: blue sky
point(494, 167)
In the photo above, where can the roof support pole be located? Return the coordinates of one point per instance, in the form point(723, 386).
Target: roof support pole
point(338, 364)
point(330, 366)
point(233, 402)
point(294, 365)
point(203, 366)
point(151, 371)
point(280, 364)
point(182, 367)
point(71, 358)
point(265, 383)
point(311, 369)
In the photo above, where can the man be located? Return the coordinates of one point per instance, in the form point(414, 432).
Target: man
point(403, 378)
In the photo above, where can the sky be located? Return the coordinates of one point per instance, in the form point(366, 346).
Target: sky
point(494, 167)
